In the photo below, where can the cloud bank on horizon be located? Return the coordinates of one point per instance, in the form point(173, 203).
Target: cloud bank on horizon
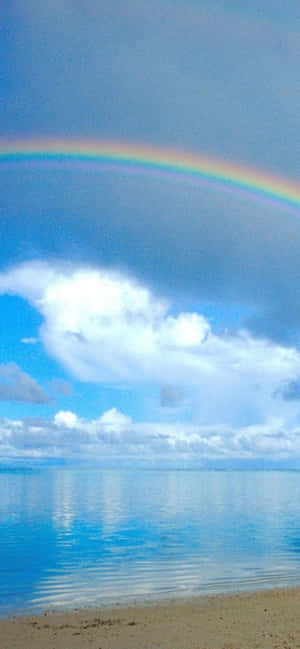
point(114, 439)
point(173, 310)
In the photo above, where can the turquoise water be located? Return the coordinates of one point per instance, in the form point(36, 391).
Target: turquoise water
point(77, 537)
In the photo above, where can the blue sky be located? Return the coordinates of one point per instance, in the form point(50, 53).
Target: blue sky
point(142, 319)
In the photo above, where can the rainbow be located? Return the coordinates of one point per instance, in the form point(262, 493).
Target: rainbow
point(147, 159)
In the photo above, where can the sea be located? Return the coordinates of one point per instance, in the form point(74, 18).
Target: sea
point(80, 537)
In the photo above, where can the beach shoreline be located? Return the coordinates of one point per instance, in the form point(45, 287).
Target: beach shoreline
point(264, 619)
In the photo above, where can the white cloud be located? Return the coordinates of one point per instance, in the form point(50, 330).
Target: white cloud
point(29, 341)
point(66, 419)
point(104, 326)
point(114, 435)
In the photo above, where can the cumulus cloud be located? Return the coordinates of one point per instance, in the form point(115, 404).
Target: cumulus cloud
point(29, 341)
point(114, 435)
point(65, 419)
point(16, 385)
point(104, 326)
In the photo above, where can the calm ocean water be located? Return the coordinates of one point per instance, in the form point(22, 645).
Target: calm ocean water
point(76, 537)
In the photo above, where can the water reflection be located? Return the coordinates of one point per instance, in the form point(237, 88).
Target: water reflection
point(82, 536)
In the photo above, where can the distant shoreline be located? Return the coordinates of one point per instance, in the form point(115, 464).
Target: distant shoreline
point(266, 619)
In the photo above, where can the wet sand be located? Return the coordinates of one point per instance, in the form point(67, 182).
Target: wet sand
point(267, 619)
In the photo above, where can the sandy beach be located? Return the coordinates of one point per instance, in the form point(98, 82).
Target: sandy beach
point(261, 620)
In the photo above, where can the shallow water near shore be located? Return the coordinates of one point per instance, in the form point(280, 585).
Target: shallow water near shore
point(72, 537)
